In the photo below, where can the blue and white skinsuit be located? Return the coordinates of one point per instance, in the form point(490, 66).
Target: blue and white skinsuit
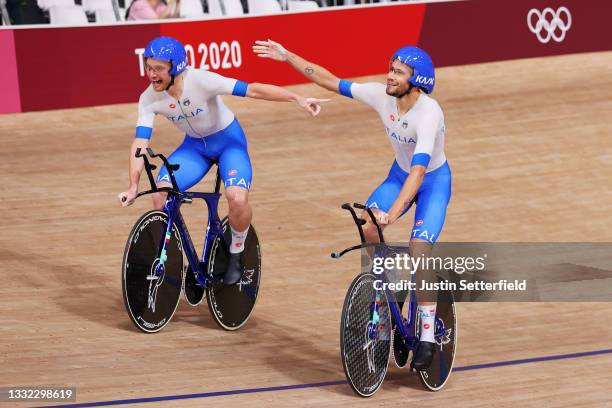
point(417, 138)
point(212, 132)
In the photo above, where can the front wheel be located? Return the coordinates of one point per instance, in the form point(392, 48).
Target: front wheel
point(231, 306)
point(152, 288)
point(365, 344)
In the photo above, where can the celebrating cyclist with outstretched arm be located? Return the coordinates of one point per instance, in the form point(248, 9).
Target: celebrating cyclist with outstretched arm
point(414, 124)
point(191, 100)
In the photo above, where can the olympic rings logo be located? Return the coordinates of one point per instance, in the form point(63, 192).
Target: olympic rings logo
point(548, 21)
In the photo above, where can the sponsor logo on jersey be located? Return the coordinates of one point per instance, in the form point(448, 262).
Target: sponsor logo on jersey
point(172, 106)
point(419, 223)
point(186, 102)
point(426, 326)
point(392, 117)
point(185, 116)
point(423, 80)
point(232, 172)
point(405, 125)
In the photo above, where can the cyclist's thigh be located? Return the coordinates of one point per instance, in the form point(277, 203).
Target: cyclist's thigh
point(235, 167)
point(192, 166)
point(234, 161)
point(432, 201)
point(386, 193)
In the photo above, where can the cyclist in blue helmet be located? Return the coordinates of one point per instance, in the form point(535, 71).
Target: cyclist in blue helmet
point(191, 100)
point(414, 123)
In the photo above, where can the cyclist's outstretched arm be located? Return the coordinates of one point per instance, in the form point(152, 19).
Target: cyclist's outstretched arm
point(276, 93)
point(315, 73)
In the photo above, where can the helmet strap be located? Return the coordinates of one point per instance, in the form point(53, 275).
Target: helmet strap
point(171, 82)
point(410, 86)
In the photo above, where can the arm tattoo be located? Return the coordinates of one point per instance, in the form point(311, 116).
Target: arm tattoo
point(309, 70)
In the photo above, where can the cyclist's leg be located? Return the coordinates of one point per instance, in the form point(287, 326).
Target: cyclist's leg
point(236, 171)
point(193, 166)
point(382, 198)
point(433, 198)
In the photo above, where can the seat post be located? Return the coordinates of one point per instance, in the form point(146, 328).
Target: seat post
point(218, 180)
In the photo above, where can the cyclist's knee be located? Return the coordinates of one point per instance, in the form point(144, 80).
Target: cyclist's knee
point(370, 232)
point(237, 197)
point(159, 200)
point(369, 229)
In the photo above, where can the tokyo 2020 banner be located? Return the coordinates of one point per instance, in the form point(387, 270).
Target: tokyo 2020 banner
point(56, 68)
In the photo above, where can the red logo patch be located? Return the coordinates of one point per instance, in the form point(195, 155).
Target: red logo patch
point(232, 172)
point(392, 117)
point(239, 244)
point(172, 106)
point(419, 223)
point(426, 326)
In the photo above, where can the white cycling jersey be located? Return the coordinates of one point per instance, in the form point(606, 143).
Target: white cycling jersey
point(199, 112)
point(420, 130)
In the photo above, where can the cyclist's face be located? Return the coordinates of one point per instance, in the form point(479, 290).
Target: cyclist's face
point(397, 78)
point(158, 73)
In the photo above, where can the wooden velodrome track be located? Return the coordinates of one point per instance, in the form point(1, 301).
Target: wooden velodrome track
point(529, 146)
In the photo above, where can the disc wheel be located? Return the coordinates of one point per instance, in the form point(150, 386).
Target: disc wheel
point(365, 358)
point(231, 306)
point(438, 373)
point(151, 289)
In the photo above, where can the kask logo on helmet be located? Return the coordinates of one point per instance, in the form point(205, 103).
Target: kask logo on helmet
point(420, 79)
point(182, 65)
point(546, 23)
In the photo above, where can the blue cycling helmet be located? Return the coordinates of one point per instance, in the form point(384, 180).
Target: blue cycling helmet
point(423, 75)
point(168, 49)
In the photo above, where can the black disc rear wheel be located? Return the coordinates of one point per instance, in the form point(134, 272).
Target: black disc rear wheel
point(231, 306)
point(438, 373)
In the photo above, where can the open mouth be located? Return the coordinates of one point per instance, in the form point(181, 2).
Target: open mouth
point(158, 82)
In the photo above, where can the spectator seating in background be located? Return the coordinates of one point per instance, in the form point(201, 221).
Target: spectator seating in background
point(67, 15)
point(214, 8)
point(233, 8)
point(105, 16)
point(264, 7)
point(91, 6)
point(191, 9)
point(302, 5)
point(23, 12)
point(47, 4)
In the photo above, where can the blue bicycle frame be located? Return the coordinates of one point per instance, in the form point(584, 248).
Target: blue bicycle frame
point(382, 250)
point(172, 209)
